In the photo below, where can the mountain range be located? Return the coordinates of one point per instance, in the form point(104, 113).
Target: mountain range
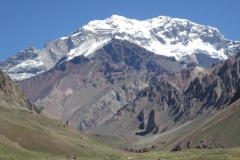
point(96, 89)
point(127, 91)
point(163, 83)
point(179, 38)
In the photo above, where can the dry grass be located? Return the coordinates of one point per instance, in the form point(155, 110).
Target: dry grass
point(25, 135)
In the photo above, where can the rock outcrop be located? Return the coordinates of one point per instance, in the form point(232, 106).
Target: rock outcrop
point(12, 93)
point(177, 101)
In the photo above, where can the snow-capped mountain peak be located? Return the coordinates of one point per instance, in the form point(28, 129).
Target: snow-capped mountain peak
point(162, 35)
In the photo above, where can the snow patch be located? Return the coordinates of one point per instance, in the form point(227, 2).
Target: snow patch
point(87, 48)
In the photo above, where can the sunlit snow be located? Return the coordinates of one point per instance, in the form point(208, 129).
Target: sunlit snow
point(162, 35)
point(147, 33)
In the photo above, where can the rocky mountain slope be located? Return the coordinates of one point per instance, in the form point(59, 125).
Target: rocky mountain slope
point(85, 93)
point(219, 131)
point(24, 135)
point(171, 103)
point(182, 39)
point(10, 92)
point(126, 90)
point(32, 136)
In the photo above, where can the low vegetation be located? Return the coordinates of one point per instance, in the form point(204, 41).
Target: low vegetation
point(26, 135)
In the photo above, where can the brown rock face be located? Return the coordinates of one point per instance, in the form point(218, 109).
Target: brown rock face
point(235, 97)
point(134, 56)
point(177, 101)
point(85, 93)
point(11, 92)
point(151, 125)
point(220, 131)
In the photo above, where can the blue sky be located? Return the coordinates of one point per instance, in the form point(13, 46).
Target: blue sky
point(34, 22)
